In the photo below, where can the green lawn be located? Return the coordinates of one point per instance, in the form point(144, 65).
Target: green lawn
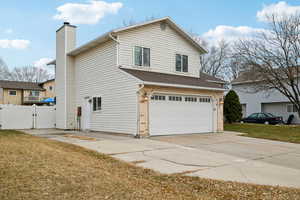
point(37, 168)
point(273, 132)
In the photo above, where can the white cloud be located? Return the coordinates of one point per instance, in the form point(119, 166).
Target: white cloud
point(89, 13)
point(14, 44)
point(8, 31)
point(281, 9)
point(42, 62)
point(230, 33)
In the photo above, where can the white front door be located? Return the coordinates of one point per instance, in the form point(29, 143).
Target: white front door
point(179, 114)
point(86, 114)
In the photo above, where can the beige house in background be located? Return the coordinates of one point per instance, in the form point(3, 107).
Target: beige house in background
point(25, 93)
point(142, 80)
point(49, 87)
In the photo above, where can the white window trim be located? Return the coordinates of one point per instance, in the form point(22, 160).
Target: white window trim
point(181, 55)
point(12, 91)
point(97, 111)
point(133, 57)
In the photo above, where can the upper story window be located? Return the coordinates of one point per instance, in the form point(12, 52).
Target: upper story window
point(182, 62)
point(141, 56)
point(12, 92)
point(97, 103)
point(50, 88)
point(34, 93)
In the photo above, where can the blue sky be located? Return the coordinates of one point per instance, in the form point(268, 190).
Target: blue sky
point(27, 28)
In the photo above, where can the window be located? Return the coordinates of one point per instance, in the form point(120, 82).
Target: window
point(50, 88)
point(204, 100)
point(158, 97)
point(175, 98)
point(12, 92)
point(97, 103)
point(254, 115)
point(141, 56)
point(261, 115)
point(270, 115)
point(182, 62)
point(34, 93)
point(190, 99)
point(291, 108)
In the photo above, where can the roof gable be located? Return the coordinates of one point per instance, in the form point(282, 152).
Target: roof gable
point(109, 35)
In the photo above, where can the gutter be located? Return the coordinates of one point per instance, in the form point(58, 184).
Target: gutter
point(184, 86)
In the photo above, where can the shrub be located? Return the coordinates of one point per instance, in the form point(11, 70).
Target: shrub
point(232, 107)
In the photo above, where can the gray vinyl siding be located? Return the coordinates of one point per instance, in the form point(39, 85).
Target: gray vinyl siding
point(97, 74)
point(163, 44)
point(255, 101)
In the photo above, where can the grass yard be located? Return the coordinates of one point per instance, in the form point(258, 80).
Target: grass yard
point(273, 132)
point(38, 168)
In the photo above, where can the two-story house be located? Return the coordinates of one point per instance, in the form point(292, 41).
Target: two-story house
point(254, 101)
point(25, 93)
point(142, 80)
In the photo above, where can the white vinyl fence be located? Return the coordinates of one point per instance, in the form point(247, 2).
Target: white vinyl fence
point(26, 117)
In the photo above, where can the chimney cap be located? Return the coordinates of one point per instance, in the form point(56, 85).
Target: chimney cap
point(66, 24)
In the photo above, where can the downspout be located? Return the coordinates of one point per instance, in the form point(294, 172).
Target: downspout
point(118, 43)
point(137, 135)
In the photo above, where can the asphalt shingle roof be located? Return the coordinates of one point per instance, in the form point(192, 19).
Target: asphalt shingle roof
point(20, 85)
point(205, 80)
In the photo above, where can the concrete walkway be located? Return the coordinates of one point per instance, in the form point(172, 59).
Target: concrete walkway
point(217, 156)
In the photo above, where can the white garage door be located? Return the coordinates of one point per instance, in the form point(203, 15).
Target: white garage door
point(173, 114)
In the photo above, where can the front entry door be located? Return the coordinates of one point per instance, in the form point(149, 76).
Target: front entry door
point(86, 114)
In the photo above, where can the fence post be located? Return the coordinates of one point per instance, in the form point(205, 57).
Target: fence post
point(1, 120)
point(33, 116)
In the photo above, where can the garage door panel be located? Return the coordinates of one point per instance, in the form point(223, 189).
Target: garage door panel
point(179, 117)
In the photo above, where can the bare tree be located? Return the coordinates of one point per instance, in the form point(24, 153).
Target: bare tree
point(4, 72)
point(29, 73)
point(235, 66)
point(132, 21)
point(216, 61)
point(274, 56)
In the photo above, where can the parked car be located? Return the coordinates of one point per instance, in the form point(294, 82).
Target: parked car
point(262, 118)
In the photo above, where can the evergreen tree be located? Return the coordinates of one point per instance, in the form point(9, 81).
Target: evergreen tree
point(232, 107)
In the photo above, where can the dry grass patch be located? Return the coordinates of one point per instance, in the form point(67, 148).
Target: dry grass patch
point(38, 168)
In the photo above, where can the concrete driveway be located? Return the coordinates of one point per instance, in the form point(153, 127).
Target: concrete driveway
point(217, 156)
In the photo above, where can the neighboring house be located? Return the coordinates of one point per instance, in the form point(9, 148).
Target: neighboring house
point(252, 101)
point(25, 93)
point(49, 87)
point(141, 80)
